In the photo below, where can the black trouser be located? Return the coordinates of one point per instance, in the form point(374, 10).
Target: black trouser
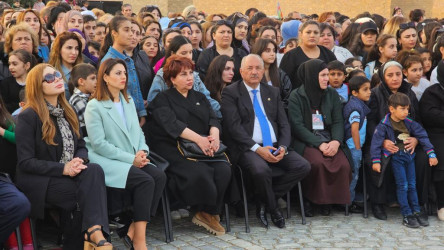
point(146, 186)
point(87, 190)
point(439, 187)
point(222, 176)
point(273, 180)
point(14, 208)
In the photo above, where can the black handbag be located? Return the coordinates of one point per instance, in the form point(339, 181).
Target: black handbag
point(191, 151)
point(157, 160)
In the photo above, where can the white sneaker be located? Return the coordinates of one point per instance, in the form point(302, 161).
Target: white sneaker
point(184, 213)
point(175, 215)
point(441, 214)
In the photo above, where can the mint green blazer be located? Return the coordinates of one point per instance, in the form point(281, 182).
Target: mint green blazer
point(110, 143)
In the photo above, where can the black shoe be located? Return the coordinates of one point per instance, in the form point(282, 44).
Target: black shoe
point(325, 210)
point(128, 242)
point(410, 221)
point(356, 209)
point(277, 218)
point(308, 209)
point(379, 212)
point(262, 215)
point(422, 218)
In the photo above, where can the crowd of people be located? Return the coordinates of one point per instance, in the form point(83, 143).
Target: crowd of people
point(93, 104)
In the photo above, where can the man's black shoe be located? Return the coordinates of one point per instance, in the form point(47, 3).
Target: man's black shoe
point(308, 209)
point(325, 210)
point(422, 218)
point(379, 212)
point(356, 209)
point(262, 215)
point(277, 218)
point(410, 221)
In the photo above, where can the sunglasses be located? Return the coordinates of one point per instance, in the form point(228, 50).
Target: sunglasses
point(224, 22)
point(50, 78)
point(238, 14)
point(405, 26)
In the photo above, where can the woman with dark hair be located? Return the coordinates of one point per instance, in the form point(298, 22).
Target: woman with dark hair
point(117, 40)
point(327, 17)
point(407, 36)
point(328, 38)
point(385, 49)
point(267, 32)
point(196, 39)
point(55, 22)
point(32, 18)
point(417, 15)
point(432, 114)
point(320, 141)
point(151, 46)
point(308, 48)
point(153, 28)
point(116, 141)
point(175, 115)
point(51, 152)
point(364, 41)
point(222, 34)
point(267, 50)
point(181, 46)
point(348, 34)
point(240, 22)
point(154, 10)
point(168, 35)
point(220, 74)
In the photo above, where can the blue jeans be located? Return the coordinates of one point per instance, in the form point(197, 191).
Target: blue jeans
point(357, 158)
point(403, 166)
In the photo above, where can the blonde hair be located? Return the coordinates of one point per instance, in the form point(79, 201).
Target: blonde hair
point(98, 12)
point(10, 33)
point(35, 100)
point(188, 10)
point(392, 25)
point(106, 18)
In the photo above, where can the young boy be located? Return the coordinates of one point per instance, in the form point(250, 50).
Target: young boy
point(84, 78)
point(336, 75)
point(355, 116)
point(397, 127)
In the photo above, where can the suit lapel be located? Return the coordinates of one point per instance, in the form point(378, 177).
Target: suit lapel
point(115, 116)
point(245, 98)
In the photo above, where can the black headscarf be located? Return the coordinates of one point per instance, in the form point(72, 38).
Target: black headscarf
point(308, 75)
point(440, 71)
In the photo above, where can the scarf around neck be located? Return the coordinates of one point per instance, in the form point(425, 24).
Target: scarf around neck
point(65, 131)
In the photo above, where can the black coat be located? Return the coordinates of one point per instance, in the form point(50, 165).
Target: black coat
point(432, 116)
point(285, 87)
point(294, 58)
point(38, 161)
point(145, 72)
point(238, 117)
point(207, 56)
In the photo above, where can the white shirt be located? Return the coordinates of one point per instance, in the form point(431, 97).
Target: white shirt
point(257, 131)
point(119, 107)
point(342, 54)
point(434, 76)
point(422, 86)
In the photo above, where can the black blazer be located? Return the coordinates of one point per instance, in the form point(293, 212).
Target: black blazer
point(38, 161)
point(238, 117)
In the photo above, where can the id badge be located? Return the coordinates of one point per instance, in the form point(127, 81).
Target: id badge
point(316, 120)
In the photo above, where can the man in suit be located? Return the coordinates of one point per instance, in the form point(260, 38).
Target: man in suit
point(258, 134)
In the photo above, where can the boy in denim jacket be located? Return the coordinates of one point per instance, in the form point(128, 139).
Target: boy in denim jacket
point(397, 127)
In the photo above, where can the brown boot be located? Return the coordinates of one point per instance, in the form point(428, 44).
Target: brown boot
point(208, 222)
point(217, 217)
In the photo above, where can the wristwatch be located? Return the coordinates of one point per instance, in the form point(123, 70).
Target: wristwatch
point(286, 150)
point(432, 155)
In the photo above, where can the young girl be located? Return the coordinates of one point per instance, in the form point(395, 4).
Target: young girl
point(438, 55)
point(196, 39)
point(353, 62)
point(426, 57)
point(65, 54)
point(384, 50)
point(267, 50)
point(413, 71)
point(150, 45)
point(407, 36)
point(20, 62)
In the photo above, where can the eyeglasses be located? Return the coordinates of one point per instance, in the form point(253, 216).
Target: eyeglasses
point(50, 78)
point(405, 26)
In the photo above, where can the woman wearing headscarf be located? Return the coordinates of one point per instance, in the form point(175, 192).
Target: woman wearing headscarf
point(431, 108)
point(240, 24)
point(317, 125)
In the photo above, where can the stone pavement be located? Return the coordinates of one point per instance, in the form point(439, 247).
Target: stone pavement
point(335, 231)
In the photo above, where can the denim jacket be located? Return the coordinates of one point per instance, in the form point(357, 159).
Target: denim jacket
point(133, 80)
point(159, 85)
point(384, 130)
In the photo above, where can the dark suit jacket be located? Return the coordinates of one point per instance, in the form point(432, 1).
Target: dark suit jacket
point(38, 161)
point(238, 117)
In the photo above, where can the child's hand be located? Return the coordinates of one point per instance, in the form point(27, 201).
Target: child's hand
point(433, 161)
point(376, 167)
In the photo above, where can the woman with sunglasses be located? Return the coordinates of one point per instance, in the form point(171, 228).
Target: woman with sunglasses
point(407, 36)
point(117, 40)
point(116, 142)
point(222, 34)
point(53, 166)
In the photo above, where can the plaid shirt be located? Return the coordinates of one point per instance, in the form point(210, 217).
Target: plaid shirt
point(78, 101)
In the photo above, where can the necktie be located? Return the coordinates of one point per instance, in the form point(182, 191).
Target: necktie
point(265, 129)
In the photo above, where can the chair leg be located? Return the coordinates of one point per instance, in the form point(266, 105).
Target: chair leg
point(288, 205)
point(33, 233)
point(170, 224)
point(364, 183)
point(301, 201)
point(227, 219)
point(166, 213)
point(244, 195)
point(19, 238)
point(346, 210)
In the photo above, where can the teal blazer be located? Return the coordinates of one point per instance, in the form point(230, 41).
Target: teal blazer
point(110, 143)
